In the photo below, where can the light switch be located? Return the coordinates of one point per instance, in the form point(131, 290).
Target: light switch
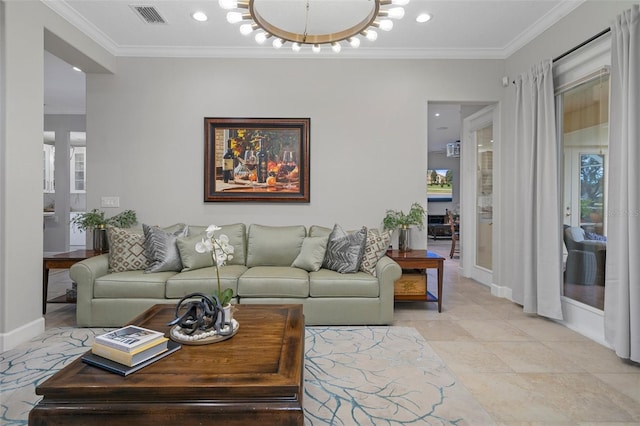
point(112, 202)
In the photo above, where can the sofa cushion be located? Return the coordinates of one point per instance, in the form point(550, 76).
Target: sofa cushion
point(126, 250)
point(274, 245)
point(237, 238)
point(161, 248)
point(311, 254)
point(274, 281)
point(131, 285)
point(204, 280)
point(190, 258)
point(344, 251)
point(326, 283)
point(319, 231)
point(375, 247)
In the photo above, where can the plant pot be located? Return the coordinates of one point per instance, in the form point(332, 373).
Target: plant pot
point(100, 241)
point(403, 239)
point(227, 315)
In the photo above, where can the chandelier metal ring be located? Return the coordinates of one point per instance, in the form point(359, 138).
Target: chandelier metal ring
point(305, 38)
point(255, 22)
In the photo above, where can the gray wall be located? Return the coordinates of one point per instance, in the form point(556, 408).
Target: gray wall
point(145, 138)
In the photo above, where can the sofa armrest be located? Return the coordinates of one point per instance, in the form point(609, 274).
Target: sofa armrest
point(84, 274)
point(388, 272)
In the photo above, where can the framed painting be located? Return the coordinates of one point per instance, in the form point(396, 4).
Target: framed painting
point(256, 159)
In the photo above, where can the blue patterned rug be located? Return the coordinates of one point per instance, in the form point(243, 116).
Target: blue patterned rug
point(353, 376)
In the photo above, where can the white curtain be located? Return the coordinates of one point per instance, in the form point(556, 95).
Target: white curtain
point(622, 282)
point(537, 208)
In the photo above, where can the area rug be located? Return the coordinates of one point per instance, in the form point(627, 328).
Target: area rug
point(353, 376)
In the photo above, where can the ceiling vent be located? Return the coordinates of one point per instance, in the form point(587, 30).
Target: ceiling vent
point(148, 14)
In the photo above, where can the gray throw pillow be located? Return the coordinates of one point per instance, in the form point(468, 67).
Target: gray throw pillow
point(311, 254)
point(190, 258)
point(161, 248)
point(344, 251)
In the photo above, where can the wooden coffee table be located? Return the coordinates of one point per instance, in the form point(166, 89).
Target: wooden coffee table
point(256, 377)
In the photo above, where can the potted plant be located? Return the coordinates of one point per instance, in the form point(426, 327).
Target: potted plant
point(395, 219)
point(221, 251)
point(96, 221)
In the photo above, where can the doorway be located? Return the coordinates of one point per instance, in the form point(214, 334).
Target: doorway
point(479, 145)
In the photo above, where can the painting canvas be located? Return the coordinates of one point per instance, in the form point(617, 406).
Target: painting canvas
point(257, 159)
point(439, 185)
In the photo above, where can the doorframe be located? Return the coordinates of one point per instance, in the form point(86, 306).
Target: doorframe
point(468, 167)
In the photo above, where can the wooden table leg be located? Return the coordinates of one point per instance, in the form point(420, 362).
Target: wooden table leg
point(440, 273)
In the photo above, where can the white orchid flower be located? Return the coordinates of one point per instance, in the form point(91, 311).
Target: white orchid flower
point(211, 230)
point(204, 246)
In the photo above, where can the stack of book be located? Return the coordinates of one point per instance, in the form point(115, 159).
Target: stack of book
point(128, 349)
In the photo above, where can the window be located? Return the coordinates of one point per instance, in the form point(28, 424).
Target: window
point(582, 99)
point(48, 157)
point(77, 169)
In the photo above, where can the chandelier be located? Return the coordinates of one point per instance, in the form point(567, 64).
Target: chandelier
point(321, 23)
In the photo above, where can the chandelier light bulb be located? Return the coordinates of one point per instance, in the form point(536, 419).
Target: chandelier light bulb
point(370, 35)
point(228, 4)
point(234, 17)
point(246, 29)
point(295, 47)
point(400, 2)
point(277, 43)
point(384, 25)
point(261, 37)
point(335, 46)
point(395, 13)
point(354, 42)
point(315, 48)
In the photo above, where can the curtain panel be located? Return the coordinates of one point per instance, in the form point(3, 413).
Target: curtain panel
point(622, 282)
point(538, 256)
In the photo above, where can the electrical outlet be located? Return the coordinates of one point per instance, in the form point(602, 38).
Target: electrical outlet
point(112, 202)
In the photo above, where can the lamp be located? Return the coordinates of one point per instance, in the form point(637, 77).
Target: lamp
point(268, 19)
point(453, 149)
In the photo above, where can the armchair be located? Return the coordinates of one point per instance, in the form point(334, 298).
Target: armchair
point(586, 258)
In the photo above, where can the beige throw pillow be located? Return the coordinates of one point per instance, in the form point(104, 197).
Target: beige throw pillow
point(376, 247)
point(126, 250)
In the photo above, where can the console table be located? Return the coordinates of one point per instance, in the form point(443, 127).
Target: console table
point(61, 261)
point(418, 260)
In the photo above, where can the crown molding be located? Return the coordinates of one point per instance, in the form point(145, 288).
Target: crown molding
point(62, 8)
point(541, 25)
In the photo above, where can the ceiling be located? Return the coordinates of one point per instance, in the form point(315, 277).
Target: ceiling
point(463, 29)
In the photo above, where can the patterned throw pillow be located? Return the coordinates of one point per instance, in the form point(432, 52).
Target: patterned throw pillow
point(161, 248)
point(376, 246)
point(344, 251)
point(126, 250)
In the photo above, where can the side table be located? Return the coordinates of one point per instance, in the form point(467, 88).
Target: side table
point(61, 261)
point(419, 260)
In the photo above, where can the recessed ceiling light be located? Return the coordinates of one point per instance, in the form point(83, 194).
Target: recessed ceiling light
point(423, 17)
point(77, 69)
point(437, 114)
point(199, 16)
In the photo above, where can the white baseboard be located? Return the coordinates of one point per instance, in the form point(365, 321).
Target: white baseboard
point(581, 318)
point(21, 334)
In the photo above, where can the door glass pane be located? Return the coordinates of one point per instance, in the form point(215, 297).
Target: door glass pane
point(484, 197)
point(585, 125)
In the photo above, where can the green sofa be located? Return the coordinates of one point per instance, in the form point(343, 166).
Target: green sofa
point(260, 272)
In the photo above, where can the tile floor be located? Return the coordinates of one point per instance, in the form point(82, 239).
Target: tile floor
point(523, 369)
